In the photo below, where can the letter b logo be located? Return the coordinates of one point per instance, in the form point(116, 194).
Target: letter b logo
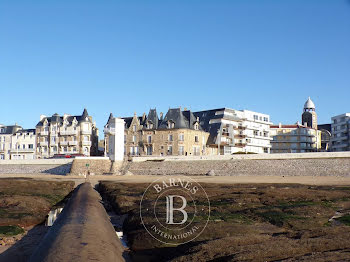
point(170, 210)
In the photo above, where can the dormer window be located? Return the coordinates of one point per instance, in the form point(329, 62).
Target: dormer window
point(196, 126)
point(134, 128)
point(149, 125)
point(171, 124)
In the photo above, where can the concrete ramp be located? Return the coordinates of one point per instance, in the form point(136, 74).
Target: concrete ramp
point(81, 233)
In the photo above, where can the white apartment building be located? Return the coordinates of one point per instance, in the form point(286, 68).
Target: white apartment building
point(16, 143)
point(295, 139)
point(340, 140)
point(236, 131)
point(23, 144)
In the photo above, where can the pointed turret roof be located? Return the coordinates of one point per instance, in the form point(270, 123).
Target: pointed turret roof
point(85, 114)
point(309, 104)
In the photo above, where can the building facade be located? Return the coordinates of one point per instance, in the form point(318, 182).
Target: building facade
point(6, 133)
point(114, 138)
point(326, 135)
point(236, 131)
point(295, 139)
point(66, 135)
point(23, 144)
point(340, 125)
point(298, 138)
point(178, 133)
point(16, 143)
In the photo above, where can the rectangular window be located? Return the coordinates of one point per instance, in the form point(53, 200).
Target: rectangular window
point(181, 137)
point(134, 139)
point(149, 139)
point(196, 139)
point(256, 133)
point(134, 128)
point(181, 150)
point(196, 151)
point(170, 150)
point(170, 138)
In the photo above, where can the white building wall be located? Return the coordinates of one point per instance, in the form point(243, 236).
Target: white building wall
point(5, 146)
point(257, 131)
point(115, 131)
point(340, 140)
point(23, 145)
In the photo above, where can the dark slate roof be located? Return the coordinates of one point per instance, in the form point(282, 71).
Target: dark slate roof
point(181, 119)
point(26, 131)
point(325, 127)
point(110, 117)
point(207, 115)
point(153, 118)
point(56, 118)
point(8, 130)
point(128, 121)
point(213, 133)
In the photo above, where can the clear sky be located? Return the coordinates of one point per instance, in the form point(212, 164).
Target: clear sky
point(126, 56)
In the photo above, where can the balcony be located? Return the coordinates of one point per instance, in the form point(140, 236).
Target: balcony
point(73, 143)
point(23, 150)
point(109, 130)
point(240, 136)
point(44, 133)
point(46, 143)
point(63, 143)
point(85, 132)
point(68, 133)
point(86, 143)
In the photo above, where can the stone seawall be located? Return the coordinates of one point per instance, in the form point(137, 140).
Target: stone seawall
point(35, 166)
point(234, 167)
point(93, 165)
point(35, 169)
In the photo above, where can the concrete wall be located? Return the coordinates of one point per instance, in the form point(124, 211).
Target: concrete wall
point(315, 155)
point(251, 167)
point(35, 166)
point(96, 165)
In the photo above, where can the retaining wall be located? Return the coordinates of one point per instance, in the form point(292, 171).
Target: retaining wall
point(49, 166)
point(243, 167)
point(94, 165)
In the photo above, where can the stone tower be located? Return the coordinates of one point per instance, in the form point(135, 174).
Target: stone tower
point(309, 116)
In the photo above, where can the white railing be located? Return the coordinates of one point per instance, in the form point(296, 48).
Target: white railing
point(63, 143)
point(31, 150)
point(69, 133)
point(86, 143)
point(85, 132)
point(110, 130)
point(73, 143)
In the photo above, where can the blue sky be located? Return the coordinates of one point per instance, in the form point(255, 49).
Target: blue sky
point(125, 56)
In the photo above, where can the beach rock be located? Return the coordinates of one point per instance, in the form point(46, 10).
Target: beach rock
point(211, 173)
